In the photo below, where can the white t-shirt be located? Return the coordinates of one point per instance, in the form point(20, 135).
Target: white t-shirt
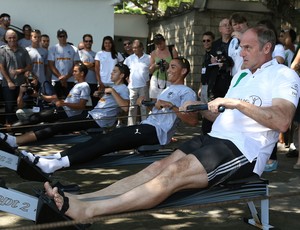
point(106, 111)
point(88, 56)
point(234, 51)
point(79, 91)
point(165, 121)
point(64, 58)
point(107, 65)
point(139, 70)
point(39, 58)
point(254, 140)
point(278, 51)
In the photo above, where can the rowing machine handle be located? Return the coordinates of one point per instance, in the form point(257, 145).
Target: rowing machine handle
point(148, 103)
point(193, 108)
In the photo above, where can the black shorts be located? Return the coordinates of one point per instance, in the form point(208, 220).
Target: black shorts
point(222, 160)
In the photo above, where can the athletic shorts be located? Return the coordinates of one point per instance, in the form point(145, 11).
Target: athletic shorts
point(222, 160)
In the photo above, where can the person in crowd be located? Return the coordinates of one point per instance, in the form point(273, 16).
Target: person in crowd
point(33, 98)
point(4, 25)
point(160, 59)
point(245, 135)
point(61, 60)
point(87, 56)
point(156, 129)
point(207, 40)
point(138, 86)
point(38, 56)
point(128, 50)
point(105, 60)
point(239, 25)
point(103, 115)
point(288, 41)
point(219, 73)
point(45, 41)
point(74, 104)
point(14, 62)
point(26, 40)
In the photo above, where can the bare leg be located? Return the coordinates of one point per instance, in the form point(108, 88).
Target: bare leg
point(185, 173)
point(26, 138)
point(137, 179)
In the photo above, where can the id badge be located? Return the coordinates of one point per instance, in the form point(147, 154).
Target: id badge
point(36, 109)
point(203, 70)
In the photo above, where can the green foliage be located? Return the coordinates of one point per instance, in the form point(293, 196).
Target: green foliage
point(145, 6)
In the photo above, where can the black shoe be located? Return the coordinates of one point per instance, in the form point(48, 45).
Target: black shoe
point(293, 153)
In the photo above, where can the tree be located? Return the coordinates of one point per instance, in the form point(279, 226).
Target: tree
point(154, 8)
point(282, 8)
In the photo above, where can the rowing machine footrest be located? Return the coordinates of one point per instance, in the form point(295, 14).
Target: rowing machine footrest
point(47, 212)
point(28, 171)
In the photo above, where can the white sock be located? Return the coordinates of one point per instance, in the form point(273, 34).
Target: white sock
point(30, 156)
point(53, 156)
point(51, 165)
point(11, 140)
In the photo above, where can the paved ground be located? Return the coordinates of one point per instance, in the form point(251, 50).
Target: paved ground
point(284, 212)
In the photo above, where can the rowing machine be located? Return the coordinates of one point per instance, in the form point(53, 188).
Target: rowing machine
point(40, 209)
point(16, 161)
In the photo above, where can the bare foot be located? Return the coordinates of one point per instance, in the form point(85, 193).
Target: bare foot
point(48, 190)
point(77, 210)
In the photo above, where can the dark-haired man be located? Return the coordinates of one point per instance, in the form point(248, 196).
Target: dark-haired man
point(207, 40)
point(26, 41)
point(87, 56)
point(127, 46)
point(61, 59)
point(4, 25)
point(156, 129)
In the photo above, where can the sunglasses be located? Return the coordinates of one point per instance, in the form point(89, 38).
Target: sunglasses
point(128, 43)
point(90, 41)
point(206, 40)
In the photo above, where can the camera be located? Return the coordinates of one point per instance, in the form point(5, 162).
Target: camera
point(29, 85)
point(162, 65)
point(220, 57)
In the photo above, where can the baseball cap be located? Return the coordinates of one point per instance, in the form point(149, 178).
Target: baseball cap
point(4, 15)
point(62, 32)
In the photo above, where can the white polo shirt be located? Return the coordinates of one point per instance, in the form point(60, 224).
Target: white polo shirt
point(254, 140)
point(139, 70)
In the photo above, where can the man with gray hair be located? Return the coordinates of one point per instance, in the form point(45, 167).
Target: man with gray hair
point(14, 63)
point(138, 83)
point(260, 103)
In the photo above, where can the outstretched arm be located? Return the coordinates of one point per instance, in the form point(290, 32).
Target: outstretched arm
point(188, 118)
point(278, 116)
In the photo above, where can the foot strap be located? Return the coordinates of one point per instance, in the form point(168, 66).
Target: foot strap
point(29, 171)
point(48, 212)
